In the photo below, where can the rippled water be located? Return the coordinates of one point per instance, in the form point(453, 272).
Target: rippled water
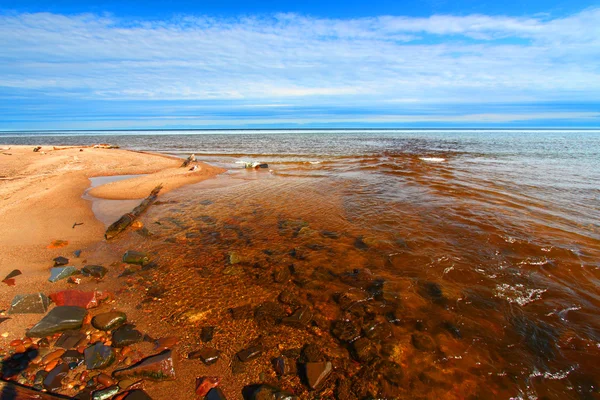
point(489, 242)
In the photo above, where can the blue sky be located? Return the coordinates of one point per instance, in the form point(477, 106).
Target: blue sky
point(232, 64)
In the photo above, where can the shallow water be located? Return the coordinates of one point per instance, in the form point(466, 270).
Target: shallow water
point(487, 244)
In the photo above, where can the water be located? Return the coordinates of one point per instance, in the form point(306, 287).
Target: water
point(488, 243)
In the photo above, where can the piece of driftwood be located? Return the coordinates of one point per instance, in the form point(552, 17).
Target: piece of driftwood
point(127, 219)
point(188, 161)
point(10, 390)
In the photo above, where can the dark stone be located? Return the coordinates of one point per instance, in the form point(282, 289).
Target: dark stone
point(391, 372)
point(136, 257)
point(311, 353)
point(249, 353)
point(109, 320)
point(290, 298)
point(377, 330)
point(359, 244)
point(266, 392)
point(99, 356)
point(38, 380)
point(207, 333)
point(300, 319)
point(59, 319)
point(268, 314)
point(352, 297)
point(364, 350)
point(157, 368)
point(106, 393)
point(73, 356)
point(69, 339)
point(96, 271)
point(242, 312)
point(316, 373)
point(53, 380)
point(58, 273)
point(207, 355)
point(58, 261)
point(126, 335)
point(29, 304)
point(330, 234)
point(423, 342)
point(137, 394)
point(433, 292)
point(77, 253)
point(346, 331)
point(215, 394)
point(285, 366)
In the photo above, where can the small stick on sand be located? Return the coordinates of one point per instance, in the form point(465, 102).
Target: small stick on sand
point(189, 160)
point(127, 219)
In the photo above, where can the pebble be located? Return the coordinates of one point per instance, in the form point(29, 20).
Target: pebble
point(29, 304)
point(205, 383)
point(316, 373)
point(126, 335)
point(58, 273)
point(109, 320)
point(99, 356)
point(250, 353)
point(207, 355)
point(207, 333)
point(59, 319)
point(158, 367)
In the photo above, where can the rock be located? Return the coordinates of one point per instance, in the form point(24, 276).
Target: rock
point(205, 383)
point(311, 353)
point(109, 320)
point(136, 257)
point(250, 353)
point(282, 275)
point(165, 343)
point(266, 392)
point(126, 335)
point(12, 274)
point(137, 394)
point(235, 258)
point(423, 342)
point(58, 261)
point(59, 319)
point(207, 355)
point(38, 380)
point(364, 350)
point(290, 298)
point(96, 271)
point(268, 314)
point(215, 394)
point(316, 373)
point(106, 393)
point(158, 367)
point(345, 331)
point(242, 312)
point(300, 319)
point(285, 366)
point(360, 244)
point(433, 292)
point(77, 253)
point(53, 380)
point(352, 297)
point(70, 339)
point(99, 356)
point(72, 357)
point(207, 333)
point(58, 273)
point(29, 304)
point(377, 331)
point(75, 298)
point(330, 234)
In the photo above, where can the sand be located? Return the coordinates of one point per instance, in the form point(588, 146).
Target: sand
point(41, 200)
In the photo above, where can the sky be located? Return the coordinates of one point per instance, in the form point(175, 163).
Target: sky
point(298, 64)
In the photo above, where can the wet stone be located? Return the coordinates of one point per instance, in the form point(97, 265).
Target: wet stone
point(58, 261)
point(53, 380)
point(290, 298)
point(452, 329)
point(282, 275)
point(70, 339)
point(207, 333)
point(268, 314)
point(360, 244)
point(215, 394)
point(126, 335)
point(266, 392)
point(58, 273)
point(59, 319)
point(360, 278)
point(136, 257)
point(137, 394)
point(345, 331)
point(423, 342)
point(29, 304)
point(242, 312)
point(364, 350)
point(207, 355)
point(95, 271)
point(299, 319)
point(311, 353)
point(377, 331)
point(316, 373)
point(285, 366)
point(75, 298)
point(38, 380)
point(99, 356)
point(157, 368)
point(235, 258)
point(109, 320)
point(73, 356)
point(352, 297)
point(330, 234)
point(250, 353)
point(205, 384)
point(77, 253)
point(106, 393)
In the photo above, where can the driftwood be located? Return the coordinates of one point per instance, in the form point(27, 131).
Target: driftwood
point(188, 161)
point(127, 219)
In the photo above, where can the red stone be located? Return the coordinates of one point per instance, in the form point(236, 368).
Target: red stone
point(166, 343)
point(75, 298)
point(205, 383)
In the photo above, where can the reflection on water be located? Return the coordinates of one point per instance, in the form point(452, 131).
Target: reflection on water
point(108, 211)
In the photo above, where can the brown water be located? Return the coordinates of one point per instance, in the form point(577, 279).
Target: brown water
point(505, 296)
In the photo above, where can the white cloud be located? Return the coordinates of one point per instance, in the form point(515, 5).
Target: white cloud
point(443, 57)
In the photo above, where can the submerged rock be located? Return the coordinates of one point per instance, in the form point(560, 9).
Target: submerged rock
point(96, 271)
point(242, 312)
point(53, 380)
point(207, 333)
point(59, 319)
point(126, 335)
point(136, 257)
point(215, 394)
point(109, 320)
point(285, 366)
point(75, 298)
point(29, 304)
point(207, 355)
point(266, 392)
point(364, 350)
point(205, 383)
point(70, 339)
point(137, 394)
point(157, 368)
point(423, 342)
point(250, 353)
point(106, 393)
point(345, 331)
point(99, 356)
point(58, 273)
point(58, 261)
point(300, 318)
point(316, 373)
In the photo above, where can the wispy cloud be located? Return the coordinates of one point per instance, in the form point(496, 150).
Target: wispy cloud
point(299, 60)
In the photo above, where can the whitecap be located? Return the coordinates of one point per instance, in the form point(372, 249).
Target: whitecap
point(432, 159)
